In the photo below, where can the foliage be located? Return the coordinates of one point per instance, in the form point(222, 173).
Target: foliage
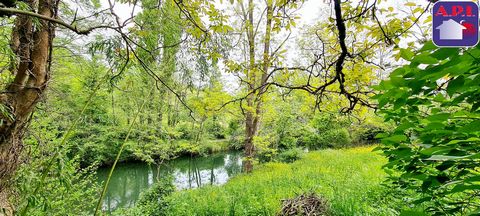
point(215, 128)
point(434, 148)
point(367, 133)
point(152, 202)
point(327, 131)
point(181, 56)
point(290, 155)
point(51, 182)
point(350, 179)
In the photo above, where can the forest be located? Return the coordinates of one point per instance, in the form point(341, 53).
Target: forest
point(238, 107)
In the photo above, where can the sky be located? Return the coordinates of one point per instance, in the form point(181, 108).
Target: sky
point(312, 11)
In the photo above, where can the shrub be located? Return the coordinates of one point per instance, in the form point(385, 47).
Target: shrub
point(366, 133)
point(335, 138)
point(287, 141)
point(327, 131)
point(265, 151)
point(434, 149)
point(53, 185)
point(236, 135)
point(154, 201)
point(215, 129)
point(233, 127)
point(290, 155)
point(213, 146)
point(266, 155)
point(184, 130)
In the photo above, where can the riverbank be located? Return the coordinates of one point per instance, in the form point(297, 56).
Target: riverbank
point(349, 179)
point(155, 153)
point(134, 178)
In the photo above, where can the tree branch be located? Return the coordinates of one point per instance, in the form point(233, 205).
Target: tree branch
point(73, 28)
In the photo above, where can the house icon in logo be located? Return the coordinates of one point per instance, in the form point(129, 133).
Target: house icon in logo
point(451, 30)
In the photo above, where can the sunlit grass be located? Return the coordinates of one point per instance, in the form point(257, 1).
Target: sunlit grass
point(350, 179)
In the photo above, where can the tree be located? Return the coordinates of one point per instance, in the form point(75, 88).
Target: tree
point(256, 72)
point(32, 46)
point(434, 150)
point(335, 70)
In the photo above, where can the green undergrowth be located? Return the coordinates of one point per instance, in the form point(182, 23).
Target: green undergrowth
point(350, 179)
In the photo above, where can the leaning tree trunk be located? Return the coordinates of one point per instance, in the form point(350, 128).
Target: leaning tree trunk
point(32, 45)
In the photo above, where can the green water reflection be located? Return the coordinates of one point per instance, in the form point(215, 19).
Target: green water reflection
point(130, 179)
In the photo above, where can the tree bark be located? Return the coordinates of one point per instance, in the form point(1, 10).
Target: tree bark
point(250, 127)
point(254, 100)
point(32, 46)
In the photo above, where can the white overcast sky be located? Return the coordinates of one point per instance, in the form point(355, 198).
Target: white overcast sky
point(311, 12)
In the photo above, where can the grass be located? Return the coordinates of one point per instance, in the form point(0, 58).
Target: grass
point(350, 179)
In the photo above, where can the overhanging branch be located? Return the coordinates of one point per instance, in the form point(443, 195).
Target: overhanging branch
point(73, 28)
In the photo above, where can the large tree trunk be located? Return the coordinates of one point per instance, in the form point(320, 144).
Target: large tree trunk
point(32, 45)
point(250, 127)
point(254, 100)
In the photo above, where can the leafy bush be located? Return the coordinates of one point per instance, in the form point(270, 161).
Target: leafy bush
point(327, 131)
point(368, 134)
point(265, 151)
point(290, 155)
point(53, 185)
point(233, 127)
point(215, 129)
point(266, 155)
point(287, 141)
point(434, 149)
point(184, 130)
point(213, 146)
point(154, 201)
point(236, 135)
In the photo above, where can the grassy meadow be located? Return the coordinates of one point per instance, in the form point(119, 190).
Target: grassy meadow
point(349, 179)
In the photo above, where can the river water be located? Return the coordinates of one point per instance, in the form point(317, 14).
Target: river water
point(130, 179)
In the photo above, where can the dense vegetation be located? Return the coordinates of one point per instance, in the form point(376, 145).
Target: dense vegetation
point(353, 105)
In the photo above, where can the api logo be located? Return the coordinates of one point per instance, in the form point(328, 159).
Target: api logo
point(455, 24)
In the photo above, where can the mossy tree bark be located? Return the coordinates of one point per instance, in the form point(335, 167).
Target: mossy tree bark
point(32, 45)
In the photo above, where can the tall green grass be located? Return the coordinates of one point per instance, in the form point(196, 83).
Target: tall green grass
point(350, 179)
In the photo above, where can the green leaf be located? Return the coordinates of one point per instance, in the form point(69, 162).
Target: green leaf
point(471, 127)
point(438, 117)
point(455, 85)
point(424, 59)
point(472, 139)
point(429, 45)
point(406, 54)
point(463, 187)
point(444, 53)
point(395, 138)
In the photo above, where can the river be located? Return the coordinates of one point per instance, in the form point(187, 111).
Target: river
point(130, 179)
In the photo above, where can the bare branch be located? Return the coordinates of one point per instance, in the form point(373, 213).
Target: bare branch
point(73, 28)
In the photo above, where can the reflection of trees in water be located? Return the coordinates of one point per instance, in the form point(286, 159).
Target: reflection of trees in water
point(125, 186)
point(193, 168)
point(234, 164)
point(130, 179)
